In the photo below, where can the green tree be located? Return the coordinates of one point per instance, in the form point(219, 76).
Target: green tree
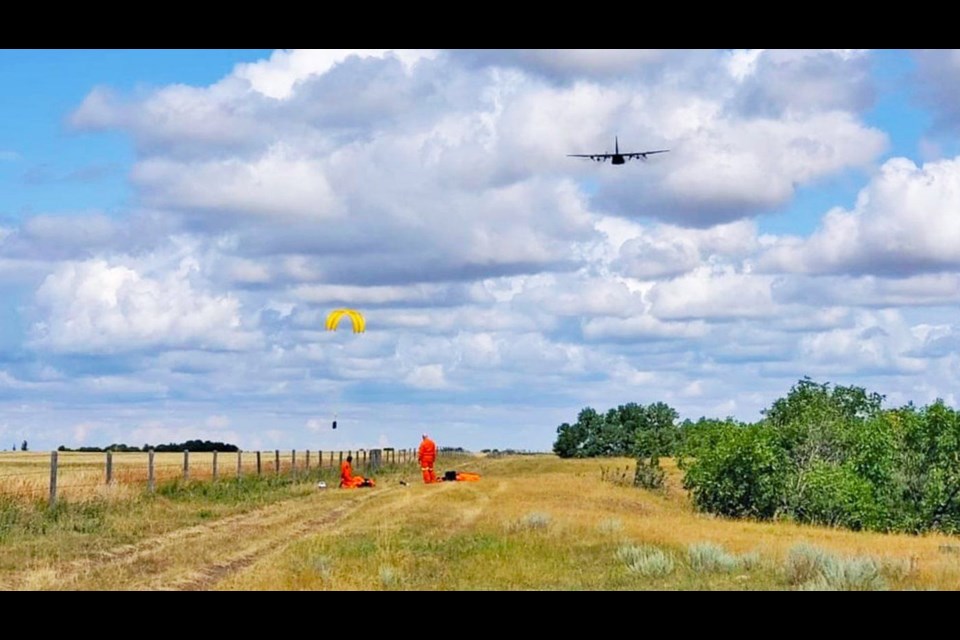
point(743, 475)
point(839, 496)
point(694, 437)
point(627, 430)
point(658, 433)
point(927, 482)
point(821, 454)
point(815, 424)
point(572, 439)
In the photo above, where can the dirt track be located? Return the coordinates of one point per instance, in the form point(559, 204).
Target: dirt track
point(197, 558)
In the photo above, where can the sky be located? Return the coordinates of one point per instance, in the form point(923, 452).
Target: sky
point(175, 226)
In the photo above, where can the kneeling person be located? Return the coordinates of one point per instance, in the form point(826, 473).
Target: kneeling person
point(350, 481)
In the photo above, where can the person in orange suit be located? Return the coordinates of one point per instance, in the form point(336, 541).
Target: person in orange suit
point(346, 472)
point(427, 455)
point(350, 481)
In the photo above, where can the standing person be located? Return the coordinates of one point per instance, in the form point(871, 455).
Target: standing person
point(427, 455)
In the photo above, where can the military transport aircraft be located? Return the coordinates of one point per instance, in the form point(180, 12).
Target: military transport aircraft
point(616, 157)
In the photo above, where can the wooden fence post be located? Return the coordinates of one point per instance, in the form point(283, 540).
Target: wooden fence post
point(306, 463)
point(259, 473)
point(150, 481)
point(109, 466)
point(293, 463)
point(214, 465)
point(364, 459)
point(340, 460)
point(276, 461)
point(186, 465)
point(239, 463)
point(53, 478)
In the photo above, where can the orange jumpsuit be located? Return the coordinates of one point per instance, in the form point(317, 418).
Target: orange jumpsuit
point(347, 479)
point(427, 455)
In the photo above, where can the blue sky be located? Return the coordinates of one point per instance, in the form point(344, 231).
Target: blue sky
point(82, 170)
point(175, 225)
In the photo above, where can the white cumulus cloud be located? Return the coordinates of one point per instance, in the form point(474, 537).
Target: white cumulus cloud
point(904, 222)
point(102, 306)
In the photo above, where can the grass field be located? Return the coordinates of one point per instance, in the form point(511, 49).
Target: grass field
point(82, 475)
point(530, 523)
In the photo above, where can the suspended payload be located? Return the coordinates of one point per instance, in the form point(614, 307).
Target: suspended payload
point(333, 319)
point(359, 326)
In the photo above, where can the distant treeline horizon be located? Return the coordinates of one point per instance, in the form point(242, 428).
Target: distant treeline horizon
point(222, 447)
point(189, 445)
point(196, 445)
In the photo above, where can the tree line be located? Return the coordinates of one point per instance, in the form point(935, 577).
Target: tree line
point(823, 454)
point(189, 445)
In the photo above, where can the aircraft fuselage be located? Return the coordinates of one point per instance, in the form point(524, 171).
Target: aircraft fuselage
point(617, 159)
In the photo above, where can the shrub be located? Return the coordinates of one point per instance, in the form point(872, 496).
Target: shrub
point(743, 475)
point(648, 475)
point(813, 568)
point(854, 574)
point(530, 521)
point(837, 496)
point(646, 560)
point(389, 577)
point(806, 562)
point(708, 557)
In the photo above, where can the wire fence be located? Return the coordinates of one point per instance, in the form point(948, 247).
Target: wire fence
point(73, 474)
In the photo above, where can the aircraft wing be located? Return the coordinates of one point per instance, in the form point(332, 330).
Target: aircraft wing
point(643, 154)
point(592, 156)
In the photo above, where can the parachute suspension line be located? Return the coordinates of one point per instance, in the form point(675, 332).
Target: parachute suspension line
point(359, 326)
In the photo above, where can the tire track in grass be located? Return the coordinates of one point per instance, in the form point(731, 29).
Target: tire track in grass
point(195, 557)
point(212, 575)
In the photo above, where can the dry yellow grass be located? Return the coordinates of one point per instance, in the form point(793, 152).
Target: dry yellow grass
point(569, 508)
point(531, 522)
point(82, 475)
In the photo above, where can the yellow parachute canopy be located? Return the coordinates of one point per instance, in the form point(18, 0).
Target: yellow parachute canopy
point(359, 324)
